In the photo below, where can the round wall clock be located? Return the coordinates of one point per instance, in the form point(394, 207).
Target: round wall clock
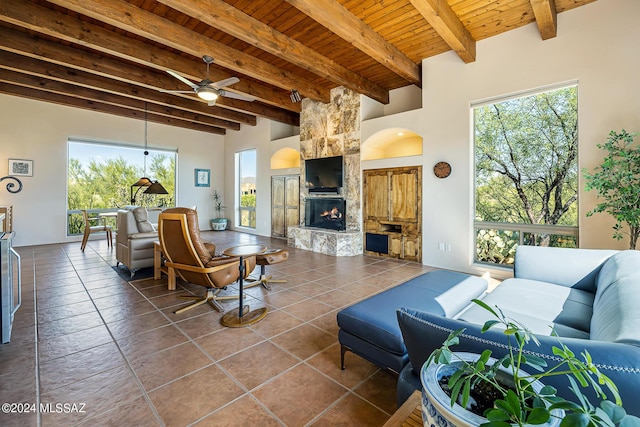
point(442, 169)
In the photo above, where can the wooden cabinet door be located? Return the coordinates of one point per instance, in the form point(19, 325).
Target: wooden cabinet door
point(404, 195)
point(277, 206)
point(411, 248)
point(376, 197)
point(395, 245)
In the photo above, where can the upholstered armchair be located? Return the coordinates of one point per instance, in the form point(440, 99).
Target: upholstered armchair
point(193, 260)
point(135, 237)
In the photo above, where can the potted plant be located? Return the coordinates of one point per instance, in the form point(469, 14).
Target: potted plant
point(617, 181)
point(219, 223)
point(516, 396)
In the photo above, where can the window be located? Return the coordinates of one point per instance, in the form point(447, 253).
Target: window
point(100, 176)
point(246, 188)
point(526, 173)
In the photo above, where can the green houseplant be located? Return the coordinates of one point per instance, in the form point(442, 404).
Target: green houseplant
point(518, 402)
point(617, 181)
point(218, 223)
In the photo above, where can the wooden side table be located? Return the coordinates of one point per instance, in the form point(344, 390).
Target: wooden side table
point(409, 414)
point(159, 268)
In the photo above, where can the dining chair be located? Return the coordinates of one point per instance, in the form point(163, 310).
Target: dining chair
point(194, 261)
point(88, 229)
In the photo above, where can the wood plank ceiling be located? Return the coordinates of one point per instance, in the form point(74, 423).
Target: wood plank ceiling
point(112, 55)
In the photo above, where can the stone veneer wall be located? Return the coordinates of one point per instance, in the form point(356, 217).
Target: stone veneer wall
point(333, 129)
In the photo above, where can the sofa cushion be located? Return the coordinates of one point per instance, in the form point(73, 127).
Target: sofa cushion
point(140, 214)
point(540, 306)
point(616, 312)
point(562, 266)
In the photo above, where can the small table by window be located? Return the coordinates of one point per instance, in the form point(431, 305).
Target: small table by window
point(243, 316)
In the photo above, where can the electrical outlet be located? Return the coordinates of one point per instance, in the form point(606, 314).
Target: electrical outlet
point(441, 246)
point(447, 247)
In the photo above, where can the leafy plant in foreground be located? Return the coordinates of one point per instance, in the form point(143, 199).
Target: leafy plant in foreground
point(520, 404)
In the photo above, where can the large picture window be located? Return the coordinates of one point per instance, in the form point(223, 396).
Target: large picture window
point(526, 173)
point(246, 188)
point(100, 176)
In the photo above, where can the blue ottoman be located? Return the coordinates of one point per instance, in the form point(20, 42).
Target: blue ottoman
point(370, 327)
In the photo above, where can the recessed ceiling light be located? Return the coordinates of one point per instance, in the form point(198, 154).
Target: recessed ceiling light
point(400, 133)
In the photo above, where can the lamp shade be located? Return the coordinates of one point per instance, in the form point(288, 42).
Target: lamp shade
point(156, 188)
point(142, 182)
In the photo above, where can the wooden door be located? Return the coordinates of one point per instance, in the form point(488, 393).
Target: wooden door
point(285, 204)
point(277, 206)
point(292, 202)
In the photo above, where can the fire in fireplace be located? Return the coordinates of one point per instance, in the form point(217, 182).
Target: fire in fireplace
point(323, 212)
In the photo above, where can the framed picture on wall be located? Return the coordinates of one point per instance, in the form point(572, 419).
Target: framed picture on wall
point(203, 177)
point(20, 167)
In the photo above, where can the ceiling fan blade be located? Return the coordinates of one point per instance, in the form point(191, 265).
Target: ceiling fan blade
point(233, 95)
point(175, 91)
point(183, 79)
point(226, 82)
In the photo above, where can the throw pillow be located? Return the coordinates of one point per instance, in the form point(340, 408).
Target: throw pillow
point(140, 214)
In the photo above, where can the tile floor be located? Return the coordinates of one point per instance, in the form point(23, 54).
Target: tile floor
point(97, 350)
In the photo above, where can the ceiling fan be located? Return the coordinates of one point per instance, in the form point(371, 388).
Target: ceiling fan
point(208, 90)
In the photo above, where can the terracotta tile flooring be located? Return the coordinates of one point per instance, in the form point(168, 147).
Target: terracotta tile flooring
point(115, 354)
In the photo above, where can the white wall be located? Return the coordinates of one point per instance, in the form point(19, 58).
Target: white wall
point(597, 45)
point(39, 131)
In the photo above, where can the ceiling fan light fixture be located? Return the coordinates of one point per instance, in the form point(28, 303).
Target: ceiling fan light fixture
point(208, 94)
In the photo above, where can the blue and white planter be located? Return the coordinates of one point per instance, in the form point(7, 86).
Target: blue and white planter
point(219, 224)
point(436, 404)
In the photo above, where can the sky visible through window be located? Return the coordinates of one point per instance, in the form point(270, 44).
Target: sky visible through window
point(85, 152)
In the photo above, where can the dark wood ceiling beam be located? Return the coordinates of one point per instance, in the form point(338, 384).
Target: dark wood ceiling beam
point(443, 19)
point(15, 62)
point(22, 44)
point(230, 20)
point(37, 18)
point(349, 27)
point(546, 17)
point(68, 89)
point(146, 24)
point(41, 95)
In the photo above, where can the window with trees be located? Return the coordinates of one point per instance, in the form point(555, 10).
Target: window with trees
point(526, 173)
point(246, 188)
point(99, 178)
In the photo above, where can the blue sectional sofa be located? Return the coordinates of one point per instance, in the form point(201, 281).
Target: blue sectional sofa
point(590, 297)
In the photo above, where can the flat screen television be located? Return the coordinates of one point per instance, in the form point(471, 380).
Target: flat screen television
point(323, 175)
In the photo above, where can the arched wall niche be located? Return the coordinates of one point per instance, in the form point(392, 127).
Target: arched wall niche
point(390, 143)
point(285, 158)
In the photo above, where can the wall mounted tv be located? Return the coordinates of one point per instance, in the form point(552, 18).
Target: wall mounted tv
point(323, 175)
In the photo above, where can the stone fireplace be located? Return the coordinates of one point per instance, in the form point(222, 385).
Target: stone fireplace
point(328, 130)
point(325, 212)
